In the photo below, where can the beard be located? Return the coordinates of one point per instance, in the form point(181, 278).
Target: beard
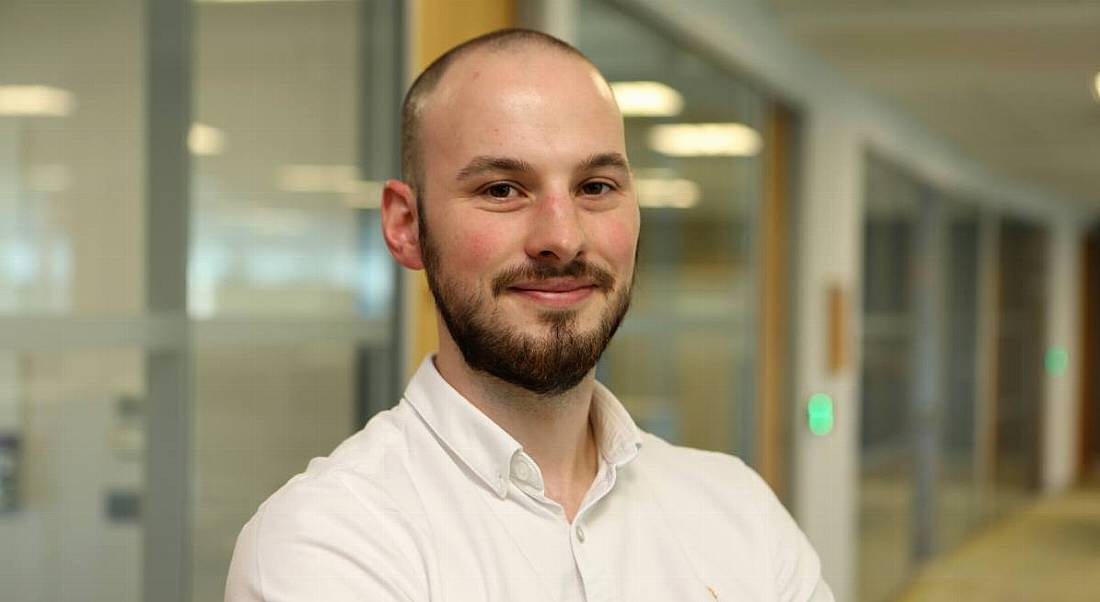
point(549, 364)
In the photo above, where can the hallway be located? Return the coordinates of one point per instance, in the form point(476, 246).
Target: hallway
point(1050, 551)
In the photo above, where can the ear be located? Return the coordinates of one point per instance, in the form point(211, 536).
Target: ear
point(400, 224)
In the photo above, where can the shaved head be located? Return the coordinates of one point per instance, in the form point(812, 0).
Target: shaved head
point(421, 90)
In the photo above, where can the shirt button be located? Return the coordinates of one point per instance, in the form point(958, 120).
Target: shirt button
point(523, 473)
point(580, 534)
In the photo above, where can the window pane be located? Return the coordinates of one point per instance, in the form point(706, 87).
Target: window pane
point(262, 412)
point(886, 485)
point(72, 454)
point(294, 130)
point(683, 362)
point(1020, 351)
point(959, 503)
point(71, 157)
point(285, 222)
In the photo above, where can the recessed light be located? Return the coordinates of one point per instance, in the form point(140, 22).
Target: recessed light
point(204, 140)
point(36, 101)
point(705, 140)
point(676, 193)
point(647, 99)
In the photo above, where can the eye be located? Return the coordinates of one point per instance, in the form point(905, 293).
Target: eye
point(501, 190)
point(596, 188)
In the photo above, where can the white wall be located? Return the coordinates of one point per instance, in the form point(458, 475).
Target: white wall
point(1064, 330)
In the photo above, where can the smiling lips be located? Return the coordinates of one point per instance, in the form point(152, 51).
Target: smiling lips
point(555, 292)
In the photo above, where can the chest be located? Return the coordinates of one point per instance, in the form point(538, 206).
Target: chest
point(625, 547)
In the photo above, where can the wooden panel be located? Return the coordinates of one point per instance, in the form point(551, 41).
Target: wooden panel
point(774, 316)
point(443, 24)
point(1090, 357)
point(837, 316)
point(439, 25)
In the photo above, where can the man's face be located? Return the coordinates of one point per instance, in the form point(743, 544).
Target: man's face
point(529, 221)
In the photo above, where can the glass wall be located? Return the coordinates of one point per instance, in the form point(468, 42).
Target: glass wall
point(892, 203)
point(71, 158)
point(951, 393)
point(286, 253)
point(1021, 307)
point(72, 249)
point(281, 346)
point(685, 362)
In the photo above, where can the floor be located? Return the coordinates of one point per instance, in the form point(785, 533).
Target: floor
point(885, 523)
point(1049, 551)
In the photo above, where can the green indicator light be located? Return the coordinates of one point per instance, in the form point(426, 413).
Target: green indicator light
point(1056, 361)
point(820, 415)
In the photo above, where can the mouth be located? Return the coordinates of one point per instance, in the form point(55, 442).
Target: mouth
point(555, 292)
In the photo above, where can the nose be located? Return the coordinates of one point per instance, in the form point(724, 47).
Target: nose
point(556, 234)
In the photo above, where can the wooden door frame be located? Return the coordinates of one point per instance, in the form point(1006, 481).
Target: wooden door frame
point(1089, 403)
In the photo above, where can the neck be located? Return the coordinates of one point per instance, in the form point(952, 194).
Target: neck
point(553, 429)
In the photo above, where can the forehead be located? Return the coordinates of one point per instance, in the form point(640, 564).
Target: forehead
point(529, 100)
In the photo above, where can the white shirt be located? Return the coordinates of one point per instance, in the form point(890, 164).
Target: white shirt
point(432, 501)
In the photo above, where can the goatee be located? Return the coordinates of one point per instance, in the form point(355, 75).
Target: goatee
point(544, 365)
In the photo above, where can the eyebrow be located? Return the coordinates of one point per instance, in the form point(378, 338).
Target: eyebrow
point(600, 160)
point(485, 163)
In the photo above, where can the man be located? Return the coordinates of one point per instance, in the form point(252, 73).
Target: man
point(507, 472)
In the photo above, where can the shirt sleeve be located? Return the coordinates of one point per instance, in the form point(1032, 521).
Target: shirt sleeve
point(317, 540)
point(797, 568)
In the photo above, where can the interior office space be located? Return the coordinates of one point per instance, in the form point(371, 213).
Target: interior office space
point(195, 298)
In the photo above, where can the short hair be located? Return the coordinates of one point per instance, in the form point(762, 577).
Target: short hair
point(426, 82)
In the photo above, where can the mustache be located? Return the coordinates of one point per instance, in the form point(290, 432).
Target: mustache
point(578, 268)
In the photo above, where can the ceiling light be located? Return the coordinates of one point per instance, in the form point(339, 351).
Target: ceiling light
point(367, 195)
point(705, 139)
point(1096, 87)
point(677, 193)
point(318, 178)
point(204, 140)
point(332, 179)
point(247, 1)
point(647, 99)
point(35, 100)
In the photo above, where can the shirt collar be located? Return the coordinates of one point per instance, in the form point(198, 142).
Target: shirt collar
point(486, 448)
point(616, 434)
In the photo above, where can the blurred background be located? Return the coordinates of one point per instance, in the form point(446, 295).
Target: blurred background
point(870, 266)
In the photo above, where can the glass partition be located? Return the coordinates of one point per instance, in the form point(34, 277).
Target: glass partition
point(1021, 332)
point(951, 376)
point(281, 343)
point(72, 248)
point(285, 210)
point(72, 436)
point(71, 158)
point(959, 502)
point(685, 360)
point(892, 203)
point(288, 273)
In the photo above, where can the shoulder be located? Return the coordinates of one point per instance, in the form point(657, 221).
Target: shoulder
point(343, 521)
point(368, 471)
point(715, 496)
point(722, 477)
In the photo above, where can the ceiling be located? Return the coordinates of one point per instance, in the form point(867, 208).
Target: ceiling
point(1009, 82)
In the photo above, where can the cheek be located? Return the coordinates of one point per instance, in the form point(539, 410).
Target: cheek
point(477, 249)
point(618, 240)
